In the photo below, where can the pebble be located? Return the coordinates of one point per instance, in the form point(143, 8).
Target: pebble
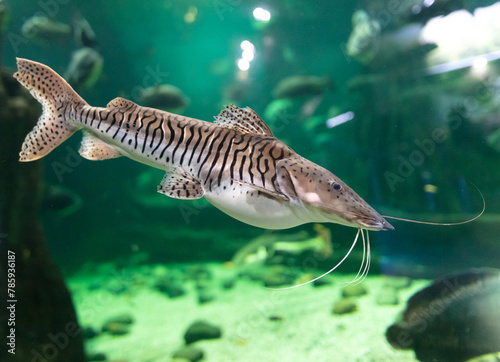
point(201, 330)
point(197, 272)
point(388, 296)
point(124, 318)
point(97, 357)
point(398, 282)
point(205, 296)
point(228, 284)
point(275, 318)
point(115, 329)
point(89, 333)
point(344, 306)
point(119, 325)
point(354, 290)
point(278, 276)
point(170, 286)
point(189, 353)
point(322, 282)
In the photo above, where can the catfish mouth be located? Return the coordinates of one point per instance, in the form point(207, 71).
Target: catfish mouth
point(358, 220)
point(376, 224)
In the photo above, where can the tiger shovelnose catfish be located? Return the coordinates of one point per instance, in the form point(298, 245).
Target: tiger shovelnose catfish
point(235, 162)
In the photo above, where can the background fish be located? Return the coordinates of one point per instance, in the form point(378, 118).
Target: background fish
point(454, 319)
point(302, 86)
point(84, 69)
point(164, 96)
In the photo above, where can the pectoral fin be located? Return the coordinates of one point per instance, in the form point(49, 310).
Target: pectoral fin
point(285, 181)
point(263, 191)
point(179, 185)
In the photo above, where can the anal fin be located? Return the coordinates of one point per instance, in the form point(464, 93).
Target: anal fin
point(180, 185)
point(95, 149)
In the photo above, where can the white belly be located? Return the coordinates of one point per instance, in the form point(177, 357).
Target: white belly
point(245, 204)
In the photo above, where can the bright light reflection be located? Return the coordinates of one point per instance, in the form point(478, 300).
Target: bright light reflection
point(480, 63)
point(243, 64)
point(428, 3)
point(246, 45)
point(479, 67)
point(247, 55)
point(261, 14)
point(338, 120)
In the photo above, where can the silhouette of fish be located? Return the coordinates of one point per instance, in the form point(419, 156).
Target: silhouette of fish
point(454, 319)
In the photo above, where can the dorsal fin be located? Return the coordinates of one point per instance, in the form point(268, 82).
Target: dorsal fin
point(122, 103)
point(242, 119)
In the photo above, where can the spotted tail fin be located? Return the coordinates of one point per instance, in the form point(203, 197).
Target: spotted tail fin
point(55, 95)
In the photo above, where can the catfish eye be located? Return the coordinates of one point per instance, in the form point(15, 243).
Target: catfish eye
point(336, 186)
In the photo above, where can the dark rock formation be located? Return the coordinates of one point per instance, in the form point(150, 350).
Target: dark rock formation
point(45, 321)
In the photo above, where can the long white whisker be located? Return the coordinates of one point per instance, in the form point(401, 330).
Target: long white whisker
point(366, 260)
point(442, 223)
point(362, 261)
point(328, 272)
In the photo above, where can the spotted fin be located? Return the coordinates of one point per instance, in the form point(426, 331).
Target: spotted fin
point(242, 119)
point(55, 96)
point(95, 149)
point(179, 185)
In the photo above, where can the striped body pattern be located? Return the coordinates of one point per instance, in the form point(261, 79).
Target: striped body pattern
point(235, 162)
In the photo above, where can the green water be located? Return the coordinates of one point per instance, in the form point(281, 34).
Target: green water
point(419, 144)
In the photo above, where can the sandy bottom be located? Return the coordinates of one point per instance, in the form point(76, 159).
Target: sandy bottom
point(308, 330)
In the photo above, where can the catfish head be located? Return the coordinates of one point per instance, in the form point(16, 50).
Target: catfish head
point(320, 196)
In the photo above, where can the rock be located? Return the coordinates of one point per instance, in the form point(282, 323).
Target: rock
point(354, 290)
point(388, 296)
point(278, 276)
point(398, 282)
point(205, 296)
point(172, 287)
point(344, 306)
point(203, 283)
point(124, 318)
point(322, 281)
point(119, 325)
point(198, 272)
point(115, 329)
point(89, 333)
point(201, 330)
point(94, 286)
point(228, 283)
point(97, 357)
point(189, 353)
point(116, 287)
